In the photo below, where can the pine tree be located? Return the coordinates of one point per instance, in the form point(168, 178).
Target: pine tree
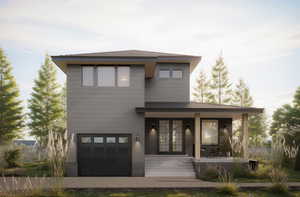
point(202, 90)
point(45, 104)
point(220, 85)
point(11, 110)
point(257, 122)
point(241, 95)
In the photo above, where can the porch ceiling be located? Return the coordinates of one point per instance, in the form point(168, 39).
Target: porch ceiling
point(191, 108)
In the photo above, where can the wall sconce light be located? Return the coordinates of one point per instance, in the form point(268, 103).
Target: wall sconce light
point(152, 130)
point(137, 138)
point(153, 126)
point(188, 130)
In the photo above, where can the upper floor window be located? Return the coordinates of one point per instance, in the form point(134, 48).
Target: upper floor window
point(164, 73)
point(106, 76)
point(87, 75)
point(177, 74)
point(210, 134)
point(123, 76)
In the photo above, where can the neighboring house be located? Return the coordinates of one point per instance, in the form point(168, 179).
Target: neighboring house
point(131, 113)
point(28, 143)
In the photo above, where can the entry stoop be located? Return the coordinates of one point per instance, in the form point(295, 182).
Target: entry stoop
point(169, 166)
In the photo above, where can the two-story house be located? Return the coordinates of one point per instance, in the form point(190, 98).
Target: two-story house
point(131, 114)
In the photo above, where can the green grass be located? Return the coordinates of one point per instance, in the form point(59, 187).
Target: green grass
point(32, 169)
point(164, 194)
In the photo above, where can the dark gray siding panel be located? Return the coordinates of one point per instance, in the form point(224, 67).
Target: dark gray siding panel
point(171, 90)
point(107, 110)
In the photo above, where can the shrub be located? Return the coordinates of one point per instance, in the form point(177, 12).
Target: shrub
point(211, 173)
point(279, 181)
point(28, 187)
point(119, 195)
point(12, 158)
point(240, 171)
point(228, 189)
point(279, 188)
point(263, 171)
point(277, 175)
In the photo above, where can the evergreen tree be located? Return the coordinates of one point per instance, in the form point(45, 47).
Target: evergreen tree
point(241, 95)
point(11, 110)
point(202, 90)
point(257, 122)
point(220, 85)
point(45, 104)
point(286, 120)
point(257, 129)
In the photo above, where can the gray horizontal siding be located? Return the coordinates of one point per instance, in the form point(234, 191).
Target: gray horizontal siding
point(171, 90)
point(108, 110)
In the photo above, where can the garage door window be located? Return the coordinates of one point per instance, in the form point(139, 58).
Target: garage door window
point(110, 140)
point(98, 140)
point(86, 140)
point(123, 140)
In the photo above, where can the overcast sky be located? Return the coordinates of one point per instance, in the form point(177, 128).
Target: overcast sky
point(260, 40)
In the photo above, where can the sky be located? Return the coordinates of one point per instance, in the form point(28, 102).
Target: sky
point(260, 40)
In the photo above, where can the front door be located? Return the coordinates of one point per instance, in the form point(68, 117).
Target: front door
point(171, 137)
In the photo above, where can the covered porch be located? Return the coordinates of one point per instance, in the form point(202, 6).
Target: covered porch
point(200, 131)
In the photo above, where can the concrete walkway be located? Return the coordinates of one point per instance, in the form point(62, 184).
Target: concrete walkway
point(126, 183)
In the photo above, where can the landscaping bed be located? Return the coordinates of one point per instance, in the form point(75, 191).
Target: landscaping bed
point(158, 194)
point(30, 169)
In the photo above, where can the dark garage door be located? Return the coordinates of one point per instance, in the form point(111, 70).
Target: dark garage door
point(104, 155)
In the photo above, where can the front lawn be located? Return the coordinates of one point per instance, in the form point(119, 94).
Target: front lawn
point(32, 169)
point(160, 194)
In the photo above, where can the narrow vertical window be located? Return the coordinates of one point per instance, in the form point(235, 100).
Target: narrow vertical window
point(87, 75)
point(123, 76)
point(106, 76)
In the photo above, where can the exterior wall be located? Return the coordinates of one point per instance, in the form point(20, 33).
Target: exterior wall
point(169, 90)
point(106, 110)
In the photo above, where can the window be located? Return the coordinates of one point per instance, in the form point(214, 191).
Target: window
point(123, 140)
point(209, 132)
point(98, 140)
point(111, 140)
point(177, 74)
point(87, 75)
point(106, 76)
point(123, 76)
point(164, 74)
point(86, 140)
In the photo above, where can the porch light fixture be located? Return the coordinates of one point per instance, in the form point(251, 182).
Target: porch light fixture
point(137, 138)
point(152, 130)
point(188, 130)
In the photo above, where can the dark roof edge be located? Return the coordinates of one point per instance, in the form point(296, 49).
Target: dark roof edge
point(241, 110)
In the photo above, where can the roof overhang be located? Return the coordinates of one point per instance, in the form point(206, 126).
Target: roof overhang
point(148, 62)
point(196, 108)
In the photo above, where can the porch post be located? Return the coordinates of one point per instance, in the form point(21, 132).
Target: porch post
point(245, 135)
point(197, 136)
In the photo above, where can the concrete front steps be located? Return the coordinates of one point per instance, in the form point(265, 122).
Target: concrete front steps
point(169, 166)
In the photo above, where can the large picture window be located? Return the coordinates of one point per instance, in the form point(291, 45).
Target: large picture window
point(210, 132)
point(123, 76)
point(106, 76)
point(87, 75)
